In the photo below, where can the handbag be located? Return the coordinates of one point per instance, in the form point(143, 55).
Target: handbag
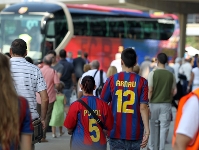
point(38, 131)
point(92, 113)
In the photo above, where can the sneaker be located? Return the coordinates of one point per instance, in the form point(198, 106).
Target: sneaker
point(61, 134)
point(54, 136)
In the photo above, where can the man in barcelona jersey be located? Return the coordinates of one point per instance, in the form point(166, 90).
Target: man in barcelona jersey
point(127, 95)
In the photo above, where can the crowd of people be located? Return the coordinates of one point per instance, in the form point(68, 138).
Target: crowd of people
point(121, 104)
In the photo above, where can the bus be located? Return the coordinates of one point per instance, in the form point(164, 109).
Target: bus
point(98, 30)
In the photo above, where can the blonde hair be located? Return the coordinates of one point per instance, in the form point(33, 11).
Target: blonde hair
point(136, 69)
point(9, 106)
point(111, 71)
point(87, 67)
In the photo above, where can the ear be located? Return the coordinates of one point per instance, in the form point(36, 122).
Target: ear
point(122, 63)
point(136, 61)
point(11, 52)
point(25, 53)
point(94, 87)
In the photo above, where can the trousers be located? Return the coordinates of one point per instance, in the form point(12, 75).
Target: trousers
point(48, 116)
point(162, 112)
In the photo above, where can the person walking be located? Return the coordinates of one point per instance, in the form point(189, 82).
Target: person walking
point(68, 77)
point(194, 81)
point(127, 95)
point(186, 128)
point(55, 65)
point(16, 124)
point(86, 131)
point(69, 57)
point(161, 91)
point(52, 81)
point(145, 67)
point(57, 118)
point(78, 64)
point(99, 76)
point(28, 80)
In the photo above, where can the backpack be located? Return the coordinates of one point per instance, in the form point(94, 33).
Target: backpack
point(99, 89)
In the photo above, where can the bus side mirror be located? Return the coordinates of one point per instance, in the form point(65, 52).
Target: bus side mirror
point(44, 21)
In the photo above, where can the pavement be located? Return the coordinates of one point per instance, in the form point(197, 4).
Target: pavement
point(63, 142)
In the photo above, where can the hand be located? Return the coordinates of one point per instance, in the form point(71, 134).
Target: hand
point(70, 132)
point(144, 140)
point(43, 124)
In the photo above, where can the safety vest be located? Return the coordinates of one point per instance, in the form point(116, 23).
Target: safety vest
point(183, 100)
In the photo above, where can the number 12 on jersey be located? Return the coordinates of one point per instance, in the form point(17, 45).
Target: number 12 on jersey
point(122, 106)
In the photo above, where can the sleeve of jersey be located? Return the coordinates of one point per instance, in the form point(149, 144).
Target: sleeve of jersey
point(27, 127)
point(108, 118)
point(71, 118)
point(106, 91)
point(41, 83)
point(144, 93)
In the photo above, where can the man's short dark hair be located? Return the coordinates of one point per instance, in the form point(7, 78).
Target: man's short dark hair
point(162, 58)
point(129, 57)
point(19, 47)
point(62, 53)
point(85, 55)
point(52, 52)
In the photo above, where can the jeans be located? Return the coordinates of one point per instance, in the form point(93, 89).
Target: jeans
point(118, 144)
point(67, 93)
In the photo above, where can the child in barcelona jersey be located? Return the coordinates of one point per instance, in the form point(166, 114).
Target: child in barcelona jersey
point(86, 133)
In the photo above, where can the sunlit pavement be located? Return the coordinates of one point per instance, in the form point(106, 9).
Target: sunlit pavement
point(62, 143)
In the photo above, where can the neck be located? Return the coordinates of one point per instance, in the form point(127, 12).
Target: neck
point(14, 55)
point(53, 64)
point(161, 66)
point(87, 94)
point(127, 69)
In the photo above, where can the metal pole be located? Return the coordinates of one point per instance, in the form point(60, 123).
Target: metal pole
point(157, 135)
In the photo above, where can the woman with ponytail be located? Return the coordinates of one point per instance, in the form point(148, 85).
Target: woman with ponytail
point(15, 124)
point(86, 133)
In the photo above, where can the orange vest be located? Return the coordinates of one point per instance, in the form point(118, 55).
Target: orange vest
point(183, 100)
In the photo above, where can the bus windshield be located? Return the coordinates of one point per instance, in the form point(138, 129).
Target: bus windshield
point(26, 27)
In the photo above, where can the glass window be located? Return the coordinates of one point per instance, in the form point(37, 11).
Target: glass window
point(122, 27)
point(26, 27)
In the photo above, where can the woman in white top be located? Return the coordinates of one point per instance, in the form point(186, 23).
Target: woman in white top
point(194, 81)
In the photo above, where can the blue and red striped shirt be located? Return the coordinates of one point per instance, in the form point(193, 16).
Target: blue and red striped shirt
point(125, 91)
point(87, 133)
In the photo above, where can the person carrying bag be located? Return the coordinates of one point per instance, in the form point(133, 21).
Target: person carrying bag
point(87, 119)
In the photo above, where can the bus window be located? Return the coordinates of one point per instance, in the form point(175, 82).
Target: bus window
point(98, 27)
point(50, 31)
point(116, 28)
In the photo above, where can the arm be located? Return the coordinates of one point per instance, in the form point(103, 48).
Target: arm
point(181, 142)
point(150, 84)
point(106, 91)
point(174, 88)
point(145, 118)
point(44, 105)
point(80, 94)
point(74, 79)
point(65, 100)
point(191, 81)
point(26, 142)
point(150, 92)
point(59, 75)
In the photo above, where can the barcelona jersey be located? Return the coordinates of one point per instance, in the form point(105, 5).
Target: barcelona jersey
point(124, 92)
point(87, 133)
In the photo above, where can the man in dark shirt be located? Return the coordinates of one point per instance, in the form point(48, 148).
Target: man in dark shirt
point(68, 76)
point(78, 64)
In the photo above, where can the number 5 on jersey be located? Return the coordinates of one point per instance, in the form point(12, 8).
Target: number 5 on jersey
point(122, 106)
